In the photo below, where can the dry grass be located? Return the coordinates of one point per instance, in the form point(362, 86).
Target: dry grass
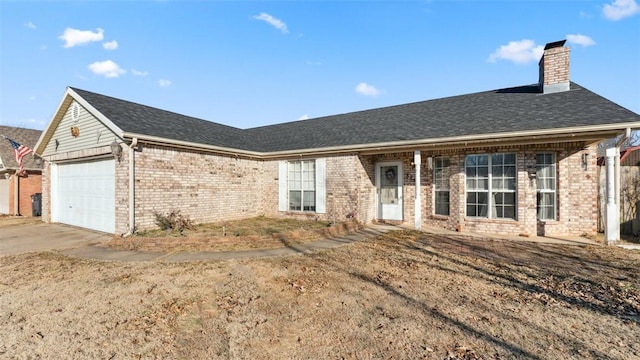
point(253, 233)
point(10, 220)
point(404, 295)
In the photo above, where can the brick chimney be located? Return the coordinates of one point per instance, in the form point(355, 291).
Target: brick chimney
point(554, 68)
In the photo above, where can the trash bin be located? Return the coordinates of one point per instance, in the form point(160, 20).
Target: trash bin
point(36, 204)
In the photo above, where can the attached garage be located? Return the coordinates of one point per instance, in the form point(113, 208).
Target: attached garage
point(83, 194)
point(4, 196)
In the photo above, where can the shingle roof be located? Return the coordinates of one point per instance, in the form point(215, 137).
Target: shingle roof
point(26, 137)
point(517, 109)
point(490, 112)
point(142, 119)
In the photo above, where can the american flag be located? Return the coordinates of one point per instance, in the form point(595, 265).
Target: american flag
point(20, 151)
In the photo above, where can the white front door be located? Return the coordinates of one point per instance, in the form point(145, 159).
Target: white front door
point(389, 190)
point(83, 194)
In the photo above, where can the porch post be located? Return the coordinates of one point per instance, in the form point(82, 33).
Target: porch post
point(612, 224)
point(417, 161)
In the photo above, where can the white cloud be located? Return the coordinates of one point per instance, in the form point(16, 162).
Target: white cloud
point(276, 23)
point(110, 45)
point(73, 37)
point(30, 25)
point(304, 117)
point(106, 68)
point(139, 73)
point(620, 9)
point(580, 39)
point(520, 52)
point(367, 90)
point(585, 15)
point(164, 83)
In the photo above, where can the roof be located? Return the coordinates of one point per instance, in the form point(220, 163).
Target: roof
point(628, 157)
point(26, 137)
point(514, 111)
point(142, 119)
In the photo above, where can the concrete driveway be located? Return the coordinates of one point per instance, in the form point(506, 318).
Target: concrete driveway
point(39, 237)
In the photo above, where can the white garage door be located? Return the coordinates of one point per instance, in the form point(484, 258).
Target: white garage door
point(84, 194)
point(4, 196)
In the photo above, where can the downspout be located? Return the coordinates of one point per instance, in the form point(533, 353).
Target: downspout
point(132, 182)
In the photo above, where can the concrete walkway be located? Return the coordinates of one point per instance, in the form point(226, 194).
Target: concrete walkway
point(22, 239)
point(101, 253)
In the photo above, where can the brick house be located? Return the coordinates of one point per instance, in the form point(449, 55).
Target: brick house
point(16, 191)
point(520, 160)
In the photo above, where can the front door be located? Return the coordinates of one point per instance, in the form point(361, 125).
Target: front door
point(389, 190)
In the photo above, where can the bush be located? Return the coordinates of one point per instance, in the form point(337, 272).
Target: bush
point(173, 220)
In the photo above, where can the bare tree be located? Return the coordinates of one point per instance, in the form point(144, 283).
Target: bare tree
point(633, 140)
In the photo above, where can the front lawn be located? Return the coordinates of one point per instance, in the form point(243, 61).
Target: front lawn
point(259, 232)
point(403, 295)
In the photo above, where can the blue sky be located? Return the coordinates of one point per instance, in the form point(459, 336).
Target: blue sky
point(254, 63)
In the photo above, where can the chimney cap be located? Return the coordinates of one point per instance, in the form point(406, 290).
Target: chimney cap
point(555, 44)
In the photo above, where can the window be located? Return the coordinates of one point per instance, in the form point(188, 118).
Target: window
point(441, 185)
point(301, 185)
point(546, 186)
point(491, 185)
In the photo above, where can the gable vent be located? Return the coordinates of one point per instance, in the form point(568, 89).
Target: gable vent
point(75, 112)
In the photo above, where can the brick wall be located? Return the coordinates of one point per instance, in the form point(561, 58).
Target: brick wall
point(27, 186)
point(576, 191)
point(46, 192)
point(210, 187)
point(555, 65)
point(577, 194)
point(205, 187)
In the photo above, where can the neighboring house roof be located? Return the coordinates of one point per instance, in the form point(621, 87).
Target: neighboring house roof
point(26, 137)
point(504, 114)
point(628, 157)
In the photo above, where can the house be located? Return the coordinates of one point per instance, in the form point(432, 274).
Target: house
point(16, 192)
point(520, 161)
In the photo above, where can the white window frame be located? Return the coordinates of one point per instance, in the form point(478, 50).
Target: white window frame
point(301, 180)
point(546, 176)
point(487, 178)
point(320, 191)
point(441, 183)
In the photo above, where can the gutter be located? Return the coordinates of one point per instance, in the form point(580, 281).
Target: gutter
point(585, 133)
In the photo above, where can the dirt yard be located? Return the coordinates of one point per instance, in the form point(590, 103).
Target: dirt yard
point(404, 295)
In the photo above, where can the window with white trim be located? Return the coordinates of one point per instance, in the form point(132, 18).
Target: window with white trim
point(491, 185)
point(546, 186)
point(441, 185)
point(302, 185)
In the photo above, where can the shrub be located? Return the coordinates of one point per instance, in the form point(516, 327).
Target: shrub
point(173, 220)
